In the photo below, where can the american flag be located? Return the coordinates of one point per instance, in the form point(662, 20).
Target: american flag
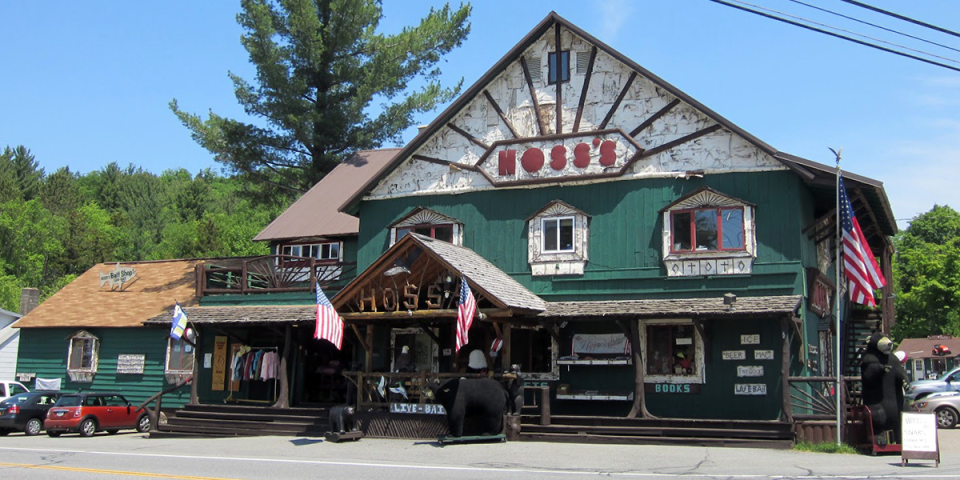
point(465, 311)
point(329, 323)
point(859, 265)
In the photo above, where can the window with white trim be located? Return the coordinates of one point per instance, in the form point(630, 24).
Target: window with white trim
point(708, 233)
point(319, 251)
point(558, 240)
point(557, 234)
point(180, 356)
point(672, 352)
point(82, 356)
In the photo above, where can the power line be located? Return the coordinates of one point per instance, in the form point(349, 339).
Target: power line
point(901, 17)
point(846, 31)
point(881, 27)
point(842, 37)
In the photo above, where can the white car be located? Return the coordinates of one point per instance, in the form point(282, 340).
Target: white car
point(9, 389)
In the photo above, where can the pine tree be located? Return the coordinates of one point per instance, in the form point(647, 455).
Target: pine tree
point(321, 65)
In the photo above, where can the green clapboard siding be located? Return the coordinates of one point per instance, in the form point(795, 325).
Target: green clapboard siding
point(625, 234)
point(44, 351)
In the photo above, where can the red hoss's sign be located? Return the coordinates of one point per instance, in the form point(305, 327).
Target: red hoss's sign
point(532, 159)
point(584, 154)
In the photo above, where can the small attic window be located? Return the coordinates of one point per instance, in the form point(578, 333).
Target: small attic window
point(583, 62)
point(559, 66)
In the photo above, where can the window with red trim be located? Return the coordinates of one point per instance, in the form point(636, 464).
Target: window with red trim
point(439, 232)
point(707, 229)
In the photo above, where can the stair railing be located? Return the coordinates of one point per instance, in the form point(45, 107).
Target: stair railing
point(155, 414)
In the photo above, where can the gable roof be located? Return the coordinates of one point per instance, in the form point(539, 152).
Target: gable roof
point(316, 214)
point(784, 305)
point(811, 172)
point(413, 251)
point(84, 303)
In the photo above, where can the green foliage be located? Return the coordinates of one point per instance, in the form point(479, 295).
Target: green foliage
point(825, 447)
point(927, 273)
point(71, 222)
point(321, 65)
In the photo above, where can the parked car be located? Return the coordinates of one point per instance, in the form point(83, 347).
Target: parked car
point(948, 382)
point(9, 389)
point(88, 413)
point(945, 405)
point(25, 412)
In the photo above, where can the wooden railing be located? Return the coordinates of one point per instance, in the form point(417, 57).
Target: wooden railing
point(814, 398)
point(270, 274)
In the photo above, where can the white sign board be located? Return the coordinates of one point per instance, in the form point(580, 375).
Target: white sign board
point(734, 354)
point(750, 389)
point(749, 339)
point(919, 432)
point(763, 354)
point(131, 364)
point(749, 371)
point(609, 344)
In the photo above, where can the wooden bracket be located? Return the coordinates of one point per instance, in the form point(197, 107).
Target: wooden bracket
point(363, 342)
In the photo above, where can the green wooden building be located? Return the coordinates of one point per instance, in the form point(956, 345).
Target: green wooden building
point(682, 265)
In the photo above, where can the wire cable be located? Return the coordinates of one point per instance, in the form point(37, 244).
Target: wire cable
point(837, 35)
point(901, 17)
point(881, 27)
point(846, 31)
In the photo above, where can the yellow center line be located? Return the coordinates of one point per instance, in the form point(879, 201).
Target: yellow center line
point(111, 472)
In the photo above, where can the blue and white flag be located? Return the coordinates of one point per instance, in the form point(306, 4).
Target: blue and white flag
point(179, 322)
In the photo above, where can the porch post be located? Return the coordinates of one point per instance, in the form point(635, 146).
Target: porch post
point(368, 357)
point(785, 371)
point(507, 362)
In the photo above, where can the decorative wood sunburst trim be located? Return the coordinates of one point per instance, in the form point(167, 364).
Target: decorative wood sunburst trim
point(586, 86)
point(425, 216)
point(653, 118)
point(616, 104)
point(681, 140)
point(707, 199)
point(468, 136)
point(493, 103)
point(533, 95)
point(559, 83)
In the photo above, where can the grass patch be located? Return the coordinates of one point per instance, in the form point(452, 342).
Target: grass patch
point(826, 447)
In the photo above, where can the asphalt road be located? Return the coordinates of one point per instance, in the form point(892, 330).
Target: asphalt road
point(134, 455)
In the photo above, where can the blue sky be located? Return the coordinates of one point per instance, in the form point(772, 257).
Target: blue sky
point(88, 83)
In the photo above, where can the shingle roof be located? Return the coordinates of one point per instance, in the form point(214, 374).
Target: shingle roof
point(923, 347)
point(483, 274)
point(677, 307)
point(253, 314)
point(500, 288)
point(83, 303)
point(315, 213)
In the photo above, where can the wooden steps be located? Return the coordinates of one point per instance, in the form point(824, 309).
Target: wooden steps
point(722, 433)
point(242, 420)
point(234, 420)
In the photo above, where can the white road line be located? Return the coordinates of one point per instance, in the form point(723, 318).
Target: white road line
point(487, 469)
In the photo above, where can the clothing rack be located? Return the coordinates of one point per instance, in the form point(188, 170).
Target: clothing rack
point(231, 380)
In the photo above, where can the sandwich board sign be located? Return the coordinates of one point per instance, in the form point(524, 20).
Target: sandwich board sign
point(919, 431)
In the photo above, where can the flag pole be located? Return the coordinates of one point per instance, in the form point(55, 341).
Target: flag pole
point(837, 299)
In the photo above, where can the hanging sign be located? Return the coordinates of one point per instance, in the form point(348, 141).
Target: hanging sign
point(219, 363)
point(750, 389)
point(749, 371)
point(131, 364)
point(610, 344)
point(422, 408)
point(763, 354)
point(25, 377)
point(734, 354)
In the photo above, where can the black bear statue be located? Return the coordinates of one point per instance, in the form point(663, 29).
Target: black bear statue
point(342, 419)
point(478, 403)
point(883, 379)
